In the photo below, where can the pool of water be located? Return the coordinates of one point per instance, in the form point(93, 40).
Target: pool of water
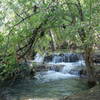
point(50, 84)
point(31, 89)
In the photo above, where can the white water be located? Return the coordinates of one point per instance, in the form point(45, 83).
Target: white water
point(64, 73)
point(38, 58)
point(53, 75)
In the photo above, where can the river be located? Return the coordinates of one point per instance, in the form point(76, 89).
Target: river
point(49, 84)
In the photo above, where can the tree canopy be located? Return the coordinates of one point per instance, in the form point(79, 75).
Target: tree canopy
point(26, 25)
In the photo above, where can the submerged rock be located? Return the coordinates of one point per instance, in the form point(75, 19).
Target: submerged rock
point(48, 58)
point(96, 58)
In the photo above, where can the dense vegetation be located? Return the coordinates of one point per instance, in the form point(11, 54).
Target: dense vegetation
point(30, 26)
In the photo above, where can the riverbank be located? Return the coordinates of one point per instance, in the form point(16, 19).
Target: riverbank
point(92, 94)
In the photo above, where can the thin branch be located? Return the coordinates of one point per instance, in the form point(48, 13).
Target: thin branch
point(19, 15)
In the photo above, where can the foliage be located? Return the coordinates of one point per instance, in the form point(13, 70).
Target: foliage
point(25, 26)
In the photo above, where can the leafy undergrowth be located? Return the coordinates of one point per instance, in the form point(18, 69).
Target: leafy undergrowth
point(15, 71)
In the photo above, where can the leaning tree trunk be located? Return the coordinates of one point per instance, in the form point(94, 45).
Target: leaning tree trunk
point(90, 66)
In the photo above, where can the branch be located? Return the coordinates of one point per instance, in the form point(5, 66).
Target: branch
point(19, 15)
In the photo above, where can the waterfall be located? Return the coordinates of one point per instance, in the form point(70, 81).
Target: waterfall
point(57, 59)
point(38, 58)
point(61, 66)
point(67, 57)
point(52, 75)
point(67, 68)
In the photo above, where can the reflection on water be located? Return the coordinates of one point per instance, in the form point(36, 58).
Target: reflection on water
point(33, 90)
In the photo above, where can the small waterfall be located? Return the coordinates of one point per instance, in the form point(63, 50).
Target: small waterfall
point(57, 59)
point(72, 67)
point(67, 68)
point(61, 66)
point(67, 57)
point(52, 75)
point(38, 58)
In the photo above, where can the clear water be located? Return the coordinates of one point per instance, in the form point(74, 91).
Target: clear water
point(30, 89)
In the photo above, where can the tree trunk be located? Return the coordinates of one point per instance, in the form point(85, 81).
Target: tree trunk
point(87, 50)
point(90, 67)
point(53, 42)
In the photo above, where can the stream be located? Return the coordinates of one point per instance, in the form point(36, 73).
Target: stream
point(56, 82)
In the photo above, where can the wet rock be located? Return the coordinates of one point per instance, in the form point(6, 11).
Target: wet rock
point(42, 67)
point(56, 68)
point(82, 72)
point(74, 58)
point(48, 58)
point(71, 58)
point(96, 58)
point(68, 57)
point(91, 94)
point(74, 72)
point(58, 59)
point(61, 54)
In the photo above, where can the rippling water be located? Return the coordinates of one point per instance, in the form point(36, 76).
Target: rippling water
point(30, 89)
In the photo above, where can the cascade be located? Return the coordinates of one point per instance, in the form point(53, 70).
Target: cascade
point(38, 58)
point(62, 66)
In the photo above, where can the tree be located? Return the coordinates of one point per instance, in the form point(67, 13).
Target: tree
point(26, 23)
